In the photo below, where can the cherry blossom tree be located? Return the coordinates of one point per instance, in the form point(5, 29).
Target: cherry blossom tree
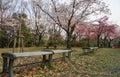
point(86, 31)
point(105, 31)
point(67, 14)
point(109, 34)
point(100, 28)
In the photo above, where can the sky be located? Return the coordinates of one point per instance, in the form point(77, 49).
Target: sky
point(114, 6)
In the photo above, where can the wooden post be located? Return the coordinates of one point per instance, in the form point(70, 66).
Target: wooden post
point(22, 43)
point(14, 44)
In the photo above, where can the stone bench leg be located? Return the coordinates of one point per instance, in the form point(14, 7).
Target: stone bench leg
point(43, 61)
point(64, 55)
point(8, 66)
point(44, 58)
point(5, 65)
point(69, 55)
point(50, 60)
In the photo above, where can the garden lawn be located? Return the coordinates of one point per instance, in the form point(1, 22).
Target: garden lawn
point(103, 63)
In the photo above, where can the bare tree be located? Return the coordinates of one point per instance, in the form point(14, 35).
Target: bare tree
point(5, 6)
point(39, 23)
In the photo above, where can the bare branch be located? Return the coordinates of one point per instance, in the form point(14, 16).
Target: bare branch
point(47, 13)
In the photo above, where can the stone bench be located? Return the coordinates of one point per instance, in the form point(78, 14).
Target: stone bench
point(8, 58)
point(89, 49)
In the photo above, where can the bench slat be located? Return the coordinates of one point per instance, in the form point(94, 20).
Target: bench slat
point(60, 51)
point(43, 52)
point(32, 53)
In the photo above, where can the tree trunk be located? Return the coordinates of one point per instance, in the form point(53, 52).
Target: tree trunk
point(88, 42)
point(68, 40)
point(109, 43)
point(103, 42)
point(40, 38)
point(98, 41)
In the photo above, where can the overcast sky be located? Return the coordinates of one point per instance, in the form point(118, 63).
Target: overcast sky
point(114, 6)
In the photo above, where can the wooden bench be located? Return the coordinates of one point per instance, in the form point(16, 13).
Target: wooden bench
point(8, 58)
point(89, 49)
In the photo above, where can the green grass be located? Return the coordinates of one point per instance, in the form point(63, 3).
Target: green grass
point(103, 63)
